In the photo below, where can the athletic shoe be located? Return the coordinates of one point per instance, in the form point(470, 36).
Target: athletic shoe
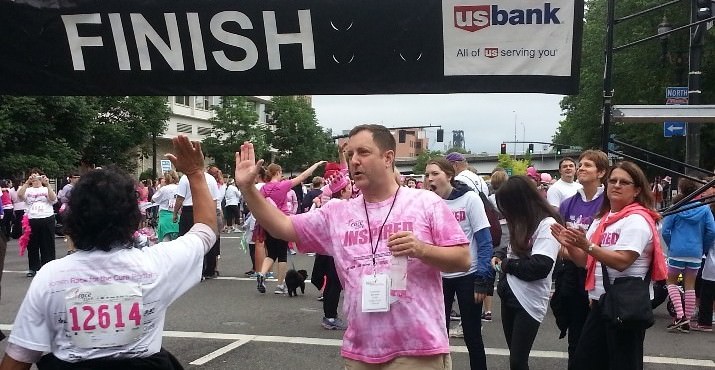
point(487, 316)
point(454, 316)
point(249, 273)
point(333, 324)
point(320, 299)
point(311, 254)
point(678, 323)
point(457, 332)
point(697, 327)
point(281, 289)
point(269, 275)
point(31, 273)
point(292, 252)
point(685, 328)
point(261, 283)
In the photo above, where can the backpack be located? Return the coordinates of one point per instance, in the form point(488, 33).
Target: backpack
point(492, 216)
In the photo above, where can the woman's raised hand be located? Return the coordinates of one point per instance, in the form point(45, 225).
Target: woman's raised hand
point(246, 166)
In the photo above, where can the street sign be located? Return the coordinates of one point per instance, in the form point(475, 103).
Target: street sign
point(675, 95)
point(165, 165)
point(508, 171)
point(671, 129)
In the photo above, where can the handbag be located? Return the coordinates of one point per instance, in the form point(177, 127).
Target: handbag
point(626, 302)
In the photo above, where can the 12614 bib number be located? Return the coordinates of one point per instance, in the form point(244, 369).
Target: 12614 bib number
point(104, 315)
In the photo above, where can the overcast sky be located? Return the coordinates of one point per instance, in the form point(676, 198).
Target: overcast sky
point(487, 119)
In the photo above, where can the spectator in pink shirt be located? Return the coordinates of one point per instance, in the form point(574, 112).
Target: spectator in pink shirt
point(389, 245)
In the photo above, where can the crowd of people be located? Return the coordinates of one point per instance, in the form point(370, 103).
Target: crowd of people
point(399, 250)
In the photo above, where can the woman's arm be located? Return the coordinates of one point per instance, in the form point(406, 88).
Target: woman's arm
point(305, 174)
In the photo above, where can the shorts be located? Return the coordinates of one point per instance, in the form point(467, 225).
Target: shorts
point(682, 265)
point(434, 362)
point(276, 249)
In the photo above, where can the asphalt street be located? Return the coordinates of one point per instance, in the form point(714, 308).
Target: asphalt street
point(225, 323)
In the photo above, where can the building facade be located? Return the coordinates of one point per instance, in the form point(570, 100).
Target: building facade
point(190, 116)
point(415, 142)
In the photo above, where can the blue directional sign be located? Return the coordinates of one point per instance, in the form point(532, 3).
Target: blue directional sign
point(671, 129)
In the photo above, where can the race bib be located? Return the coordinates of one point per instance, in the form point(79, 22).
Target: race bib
point(104, 315)
point(37, 207)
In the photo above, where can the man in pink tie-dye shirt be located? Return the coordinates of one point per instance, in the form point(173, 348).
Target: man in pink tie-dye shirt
point(365, 235)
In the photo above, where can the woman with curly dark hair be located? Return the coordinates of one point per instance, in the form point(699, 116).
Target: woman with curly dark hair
point(107, 302)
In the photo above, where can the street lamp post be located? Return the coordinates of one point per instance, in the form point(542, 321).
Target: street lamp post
point(514, 134)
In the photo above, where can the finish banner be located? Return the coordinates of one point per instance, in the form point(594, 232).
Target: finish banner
point(281, 47)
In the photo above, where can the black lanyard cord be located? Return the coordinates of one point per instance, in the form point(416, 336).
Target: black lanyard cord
point(373, 249)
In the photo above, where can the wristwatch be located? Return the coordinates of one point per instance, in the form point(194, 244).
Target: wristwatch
point(590, 248)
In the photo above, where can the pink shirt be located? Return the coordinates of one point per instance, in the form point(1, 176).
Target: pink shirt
point(414, 326)
point(278, 192)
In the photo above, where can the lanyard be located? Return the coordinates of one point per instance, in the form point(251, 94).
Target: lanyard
point(373, 249)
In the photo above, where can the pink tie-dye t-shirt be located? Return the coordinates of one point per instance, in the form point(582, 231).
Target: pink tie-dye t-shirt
point(414, 326)
point(278, 193)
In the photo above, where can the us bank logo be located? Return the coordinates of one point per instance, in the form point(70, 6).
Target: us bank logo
point(473, 18)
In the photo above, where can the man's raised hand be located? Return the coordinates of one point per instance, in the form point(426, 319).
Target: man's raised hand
point(246, 166)
point(187, 156)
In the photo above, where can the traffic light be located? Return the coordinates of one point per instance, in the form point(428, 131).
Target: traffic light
point(440, 135)
point(531, 148)
point(503, 148)
point(402, 134)
point(704, 10)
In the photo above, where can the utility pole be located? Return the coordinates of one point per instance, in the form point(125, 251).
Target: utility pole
point(692, 138)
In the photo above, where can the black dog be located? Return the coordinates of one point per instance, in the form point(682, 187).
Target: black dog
point(295, 279)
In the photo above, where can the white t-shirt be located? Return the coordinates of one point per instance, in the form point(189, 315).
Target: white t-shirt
point(17, 203)
point(233, 195)
point(631, 233)
point(469, 212)
point(221, 195)
point(473, 180)
point(166, 197)
point(560, 191)
point(72, 298)
point(38, 203)
point(184, 190)
point(534, 295)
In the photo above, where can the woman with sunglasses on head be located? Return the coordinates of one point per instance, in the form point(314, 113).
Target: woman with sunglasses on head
point(624, 238)
point(570, 302)
point(470, 287)
point(525, 284)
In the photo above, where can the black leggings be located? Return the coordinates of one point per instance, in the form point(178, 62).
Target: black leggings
point(707, 294)
point(471, 312)
point(231, 215)
point(520, 328)
point(603, 347)
point(276, 249)
point(323, 267)
point(41, 247)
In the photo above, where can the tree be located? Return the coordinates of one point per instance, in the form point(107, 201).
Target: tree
point(423, 158)
point(458, 150)
point(122, 128)
point(234, 122)
point(295, 135)
point(640, 77)
point(45, 132)
point(518, 166)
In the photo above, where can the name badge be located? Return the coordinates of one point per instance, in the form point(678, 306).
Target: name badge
point(398, 273)
point(375, 293)
point(103, 316)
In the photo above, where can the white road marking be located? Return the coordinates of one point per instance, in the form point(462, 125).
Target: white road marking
point(240, 339)
point(221, 351)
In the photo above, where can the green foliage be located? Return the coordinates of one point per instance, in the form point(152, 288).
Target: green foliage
point(45, 132)
point(640, 76)
point(123, 128)
point(423, 158)
point(518, 166)
point(234, 122)
point(57, 133)
point(297, 138)
point(147, 174)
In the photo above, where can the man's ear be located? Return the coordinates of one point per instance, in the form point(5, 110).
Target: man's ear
point(389, 156)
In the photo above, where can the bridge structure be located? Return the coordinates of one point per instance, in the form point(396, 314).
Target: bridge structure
point(485, 164)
